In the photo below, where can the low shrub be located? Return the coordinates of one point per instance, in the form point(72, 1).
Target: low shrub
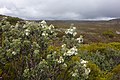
point(106, 57)
point(27, 53)
point(116, 73)
point(109, 33)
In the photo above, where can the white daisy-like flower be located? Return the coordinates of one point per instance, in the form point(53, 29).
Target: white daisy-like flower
point(14, 53)
point(60, 60)
point(24, 26)
point(12, 26)
point(65, 65)
point(72, 51)
point(43, 22)
point(75, 33)
point(87, 71)
point(84, 65)
point(74, 74)
point(26, 33)
point(27, 30)
point(74, 27)
point(71, 31)
point(83, 61)
point(49, 56)
point(51, 26)
point(36, 51)
point(44, 34)
point(80, 39)
point(64, 45)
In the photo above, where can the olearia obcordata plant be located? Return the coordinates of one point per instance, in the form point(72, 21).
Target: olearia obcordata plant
point(25, 47)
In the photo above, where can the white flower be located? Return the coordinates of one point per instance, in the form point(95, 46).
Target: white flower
point(84, 65)
point(14, 53)
point(60, 60)
point(76, 70)
point(44, 33)
point(71, 31)
point(74, 74)
point(87, 71)
point(36, 51)
point(43, 22)
point(72, 51)
point(83, 61)
point(54, 52)
point(65, 65)
point(74, 27)
point(48, 56)
point(24, 26)
point(63, 46)
point(27, 32)
point(51, 26)
point(80, 39)
point(12, 26)
point(51, 31)
point(74, 34)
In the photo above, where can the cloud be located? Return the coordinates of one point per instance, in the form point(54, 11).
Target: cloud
point(61, 9)
point(4, 10)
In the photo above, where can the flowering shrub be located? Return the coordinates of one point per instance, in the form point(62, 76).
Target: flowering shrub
point(26, 47)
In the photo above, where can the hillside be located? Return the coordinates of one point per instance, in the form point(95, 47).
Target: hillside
point(12, 20)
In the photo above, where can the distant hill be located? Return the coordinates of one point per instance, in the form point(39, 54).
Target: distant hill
point(12, 20)
point(117, 19)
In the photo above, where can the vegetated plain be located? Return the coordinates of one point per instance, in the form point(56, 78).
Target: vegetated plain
point(93, 31)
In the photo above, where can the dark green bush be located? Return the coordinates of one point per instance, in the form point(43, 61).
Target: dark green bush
point(13, 20)
point(95, 71)
point(116, 73)
point(105, 56)
point(109, 33)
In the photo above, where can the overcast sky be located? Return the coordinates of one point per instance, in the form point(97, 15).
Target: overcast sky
point(61, 9)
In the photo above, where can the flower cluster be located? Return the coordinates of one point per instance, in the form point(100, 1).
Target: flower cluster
point(44, 33)
point(47, 30)
point(14, 53)
point(72, 51)
point(81, 70)
point(60, 60)
point(27, 32)
point(71, 31)
point(80, 39)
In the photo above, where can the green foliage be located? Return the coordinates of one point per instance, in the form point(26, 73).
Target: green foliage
point(12, 20)
point(116, 73)
point(0, 71)
point(100, 46)
point(27, 53)
point(106, 59)
point(109, 33)
point(95, 71)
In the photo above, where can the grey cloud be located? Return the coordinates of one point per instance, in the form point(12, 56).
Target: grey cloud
point(61, 9)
